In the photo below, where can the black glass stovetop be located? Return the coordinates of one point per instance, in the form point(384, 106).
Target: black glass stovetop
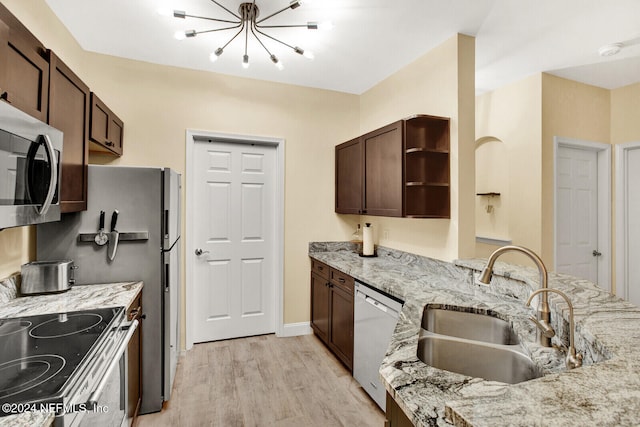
point(38, 354)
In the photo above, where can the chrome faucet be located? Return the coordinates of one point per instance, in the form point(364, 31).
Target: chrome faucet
point(543, 321)
point(573, 360)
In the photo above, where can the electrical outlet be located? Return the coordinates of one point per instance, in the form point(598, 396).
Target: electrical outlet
point(385, 234)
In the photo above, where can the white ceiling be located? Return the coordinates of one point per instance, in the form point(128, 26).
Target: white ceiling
point(373, 39)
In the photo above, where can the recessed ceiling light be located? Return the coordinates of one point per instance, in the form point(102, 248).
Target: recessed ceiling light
point(610, 49)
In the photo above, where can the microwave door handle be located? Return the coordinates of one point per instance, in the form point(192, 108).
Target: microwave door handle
point(92, 402)
point(53, 181)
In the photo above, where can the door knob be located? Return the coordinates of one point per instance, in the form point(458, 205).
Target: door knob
point(596, 253)
point(200, 252)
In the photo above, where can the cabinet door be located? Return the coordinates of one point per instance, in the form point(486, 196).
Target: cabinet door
point(394, 416)
point(116, 132)
point(25, 77)
point(349, 174)
point(105, 128)
point(69, 112)
point(341, 334)
point(320, 306)
point(383, 183)
point(134, 359)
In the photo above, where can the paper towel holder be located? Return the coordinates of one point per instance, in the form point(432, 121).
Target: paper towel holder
point(367, 238)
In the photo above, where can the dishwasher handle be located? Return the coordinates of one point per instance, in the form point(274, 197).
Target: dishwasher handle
point(377, 304)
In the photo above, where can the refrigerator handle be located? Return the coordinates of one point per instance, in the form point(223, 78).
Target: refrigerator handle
point(166, 223)
point(167, 277)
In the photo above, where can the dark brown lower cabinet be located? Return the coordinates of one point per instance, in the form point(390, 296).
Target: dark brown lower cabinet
point(134, 359)
point(395, 417)
point(332, 310)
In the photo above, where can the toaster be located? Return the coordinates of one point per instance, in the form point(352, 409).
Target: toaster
point(43, 277)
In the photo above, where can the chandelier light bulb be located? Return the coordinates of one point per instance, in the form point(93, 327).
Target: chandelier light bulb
point(179, 35)
point(245, 61)
point(308, 54)
point(277, 62)
point(325, 25)
point(215, 55)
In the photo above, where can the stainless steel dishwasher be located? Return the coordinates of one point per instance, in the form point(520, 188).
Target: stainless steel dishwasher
point(375, 316)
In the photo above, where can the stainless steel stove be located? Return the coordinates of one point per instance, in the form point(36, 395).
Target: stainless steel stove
point(63, 363)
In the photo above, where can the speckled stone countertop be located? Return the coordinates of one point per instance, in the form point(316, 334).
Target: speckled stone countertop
point(604, 392)
point(77, 298)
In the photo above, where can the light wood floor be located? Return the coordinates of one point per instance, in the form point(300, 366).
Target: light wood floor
point(265, 381)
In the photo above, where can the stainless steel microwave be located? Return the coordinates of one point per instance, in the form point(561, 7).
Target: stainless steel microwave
point(30, 153)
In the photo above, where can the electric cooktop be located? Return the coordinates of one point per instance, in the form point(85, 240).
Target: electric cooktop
point(39, 354)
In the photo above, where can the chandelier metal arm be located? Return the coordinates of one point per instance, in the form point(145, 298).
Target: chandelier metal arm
point(260, 41)
point(283, 26)
point(273, 14)
point(212, 19)
point(222, 7)
point(218, 29)
point(273, 38)
point(234, 37)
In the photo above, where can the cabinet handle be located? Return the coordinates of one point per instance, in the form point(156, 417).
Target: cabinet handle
point(320, 268)
point(109, 144)
point(341, 280)
point(5, 96)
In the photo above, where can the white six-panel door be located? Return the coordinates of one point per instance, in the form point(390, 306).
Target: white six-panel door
point(234, 226)
point(577, 207)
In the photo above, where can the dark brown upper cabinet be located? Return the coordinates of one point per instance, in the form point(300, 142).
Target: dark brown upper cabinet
point(106, 129)
point(69, 100)
point(401, 169)
point(349, 174)
point(383, 171)
point(24, 72)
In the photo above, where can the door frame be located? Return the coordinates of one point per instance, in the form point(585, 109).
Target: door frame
point(622, 230)
point(603, 151)
point(191, 136)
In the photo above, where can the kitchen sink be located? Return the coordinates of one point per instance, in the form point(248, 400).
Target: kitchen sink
point(471, 326)
point(482, 360)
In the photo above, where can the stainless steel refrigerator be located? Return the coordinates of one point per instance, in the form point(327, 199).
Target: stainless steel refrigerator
point(148, 249)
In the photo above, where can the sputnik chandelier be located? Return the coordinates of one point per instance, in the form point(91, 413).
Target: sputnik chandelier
point(246, 21)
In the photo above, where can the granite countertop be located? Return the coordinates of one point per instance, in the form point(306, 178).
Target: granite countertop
point(605, 391)
point(77, 298)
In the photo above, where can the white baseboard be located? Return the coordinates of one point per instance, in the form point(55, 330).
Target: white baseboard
point(295, 329)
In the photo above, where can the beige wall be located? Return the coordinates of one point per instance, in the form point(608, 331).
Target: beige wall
point(439, 83)
point(625, 110)
point(513, 115)
point(158, 103)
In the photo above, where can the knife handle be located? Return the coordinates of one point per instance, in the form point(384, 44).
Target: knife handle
point(101, 221)
point(114, 219)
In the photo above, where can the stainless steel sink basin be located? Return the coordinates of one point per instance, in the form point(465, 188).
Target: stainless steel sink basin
point(475, 359)
point(471, 326)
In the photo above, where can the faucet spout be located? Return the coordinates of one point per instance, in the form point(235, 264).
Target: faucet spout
point(545, 332)
point(573, 360)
